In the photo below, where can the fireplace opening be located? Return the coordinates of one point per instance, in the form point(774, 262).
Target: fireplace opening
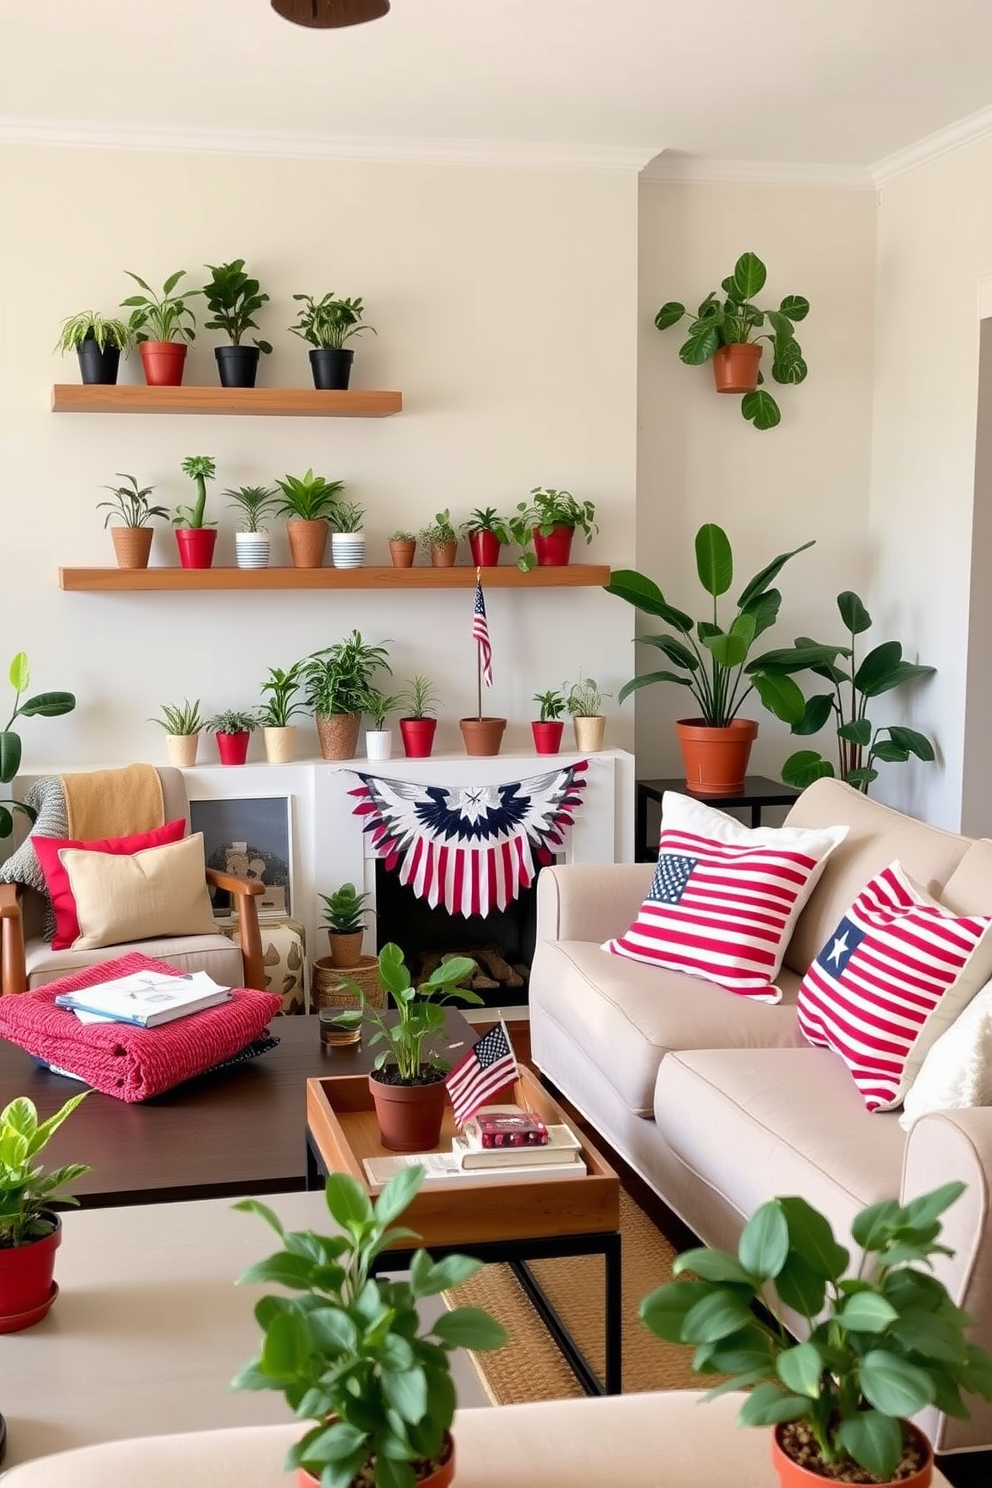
point(501, 943)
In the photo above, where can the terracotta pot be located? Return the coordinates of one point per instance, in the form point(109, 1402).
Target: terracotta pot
point(443, 554)
point(589, 731)
point(485, 549)
point(418, 736)
point(27, 1286)
point(163, 362)
point(181, 749)
point(441, 1477)
point(554, 549)
point(735, 367)
point(196, 546)
point(280, 744)
point(547, 735)
point(338, 735)
point(715, 759)
point(132, 546)
point(792, 1475)
point(346, 950)
point(233, 748)
point(402, 551)
point(482, 735)
point(307, 541)
point(409, 1116)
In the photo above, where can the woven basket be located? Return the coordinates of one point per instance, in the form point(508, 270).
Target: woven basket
point(329, 990)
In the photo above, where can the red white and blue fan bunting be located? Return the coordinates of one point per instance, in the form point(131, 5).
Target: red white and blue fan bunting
point(470, 848)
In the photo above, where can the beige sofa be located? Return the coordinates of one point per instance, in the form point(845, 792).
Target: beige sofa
point(719, 1103)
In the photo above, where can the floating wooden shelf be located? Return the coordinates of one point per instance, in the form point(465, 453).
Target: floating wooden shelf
point(73, 397)
point(462, 576)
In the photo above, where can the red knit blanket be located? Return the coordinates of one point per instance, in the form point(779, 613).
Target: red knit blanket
point(118, 1058)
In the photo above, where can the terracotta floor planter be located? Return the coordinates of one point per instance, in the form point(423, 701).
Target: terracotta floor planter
point(338, 735)
point(307, 541)
point(735, 367)
point(792, 1475)
point(409, 1116)
point(27, 1285)
point(132, 545)
point(482, 736)
point(716, 759)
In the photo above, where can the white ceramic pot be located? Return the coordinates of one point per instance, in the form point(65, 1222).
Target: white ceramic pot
point(378, 743)
point(181, 749)
point(252, 549)
point(280, 744)
point(348, 549)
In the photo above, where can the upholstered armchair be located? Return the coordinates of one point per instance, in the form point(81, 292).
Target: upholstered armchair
point(27, 956)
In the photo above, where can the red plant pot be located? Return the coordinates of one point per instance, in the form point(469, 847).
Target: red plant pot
point(547, 736)
point(196, 546)
point(553, 550)
point(418, 736)
point(233, 748)
point(484, 547)
point(163, 362)
point(27, 1287)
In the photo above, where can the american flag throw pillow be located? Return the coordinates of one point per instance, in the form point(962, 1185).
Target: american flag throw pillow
point(724, 897)
point(895, 973)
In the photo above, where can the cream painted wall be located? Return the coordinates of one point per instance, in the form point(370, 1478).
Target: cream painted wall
point(505, 303)
point(698, 460)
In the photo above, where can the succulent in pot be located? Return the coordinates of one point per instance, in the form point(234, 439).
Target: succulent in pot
point(440, 540)
point(344, 917)
point(402, 548)
point(327, 324)
point(347, 535)
point(251, 541)
point(418, 724)
point(308, 504)
point(133, 538)
point(487, 533)
point(233, 728)
point(350, 1353)
point(880, 1342)
point(164, 324)
point(549, 521)
point(233, 299)
point(182, 724)
point(39, 705)
point(98, 342)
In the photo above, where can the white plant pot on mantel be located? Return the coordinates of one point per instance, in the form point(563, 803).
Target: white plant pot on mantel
point(280, 743)
point(251, 549)
point(378, 744)
point(348, 551)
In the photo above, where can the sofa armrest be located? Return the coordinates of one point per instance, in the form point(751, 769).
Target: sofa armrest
point(589, 901)
point(245, 891)
point(13, 976)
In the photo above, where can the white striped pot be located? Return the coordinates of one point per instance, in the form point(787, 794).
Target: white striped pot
point(252, 549)
point(348, 549)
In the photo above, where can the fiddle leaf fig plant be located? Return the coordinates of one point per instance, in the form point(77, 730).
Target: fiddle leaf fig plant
point(41, 705)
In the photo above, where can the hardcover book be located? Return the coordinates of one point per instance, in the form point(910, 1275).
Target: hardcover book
point(146, 998)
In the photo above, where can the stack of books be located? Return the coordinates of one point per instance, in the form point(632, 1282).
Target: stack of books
point(145, 998)
point(531, 1157)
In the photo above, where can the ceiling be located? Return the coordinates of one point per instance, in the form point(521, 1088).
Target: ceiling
point(843, 85)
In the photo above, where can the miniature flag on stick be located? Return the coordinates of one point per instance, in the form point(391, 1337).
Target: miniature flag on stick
point(480, 630)
point(485, 1069)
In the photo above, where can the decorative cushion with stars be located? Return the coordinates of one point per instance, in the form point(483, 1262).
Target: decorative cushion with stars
point(896, 972)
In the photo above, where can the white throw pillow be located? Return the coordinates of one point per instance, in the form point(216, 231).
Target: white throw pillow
point(160, 891)
point(957, 1071)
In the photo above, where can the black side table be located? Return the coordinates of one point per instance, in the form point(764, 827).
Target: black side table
point(757, 792)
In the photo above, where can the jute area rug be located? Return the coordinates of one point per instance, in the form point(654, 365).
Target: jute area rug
point(530, 1367)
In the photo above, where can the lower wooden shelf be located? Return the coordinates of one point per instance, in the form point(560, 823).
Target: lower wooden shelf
point(461, 576)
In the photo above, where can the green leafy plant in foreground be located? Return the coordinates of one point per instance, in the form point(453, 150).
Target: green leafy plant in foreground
point(41, 705)
point(26, 1190)
point(882, 1343)
point(350, 1352)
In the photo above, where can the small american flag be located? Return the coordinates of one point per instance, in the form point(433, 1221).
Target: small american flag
point(485, 1069)
point(480, 631)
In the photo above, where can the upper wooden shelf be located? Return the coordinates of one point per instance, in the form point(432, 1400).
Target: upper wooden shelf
point(74, 397)
point(462, 576)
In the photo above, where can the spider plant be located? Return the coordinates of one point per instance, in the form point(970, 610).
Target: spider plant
point(181, 719)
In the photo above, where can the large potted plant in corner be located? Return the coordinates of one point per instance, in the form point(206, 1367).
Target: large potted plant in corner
point(281, 704)
point(327, 324)
point(252, 544)
point(336, 681)
point(728, 330)
point(164, 324)
point(308, 504)
point(30, 1230)
point(98, 342)
point(133, 538)
point(350, 1352)
point(196, 538)
point(550, 520)
point(233, 298)
point(40, 705)
point(712, 661)
point(182, 724)
point(419, 723)
point(880, 1342)
point(407, 1078)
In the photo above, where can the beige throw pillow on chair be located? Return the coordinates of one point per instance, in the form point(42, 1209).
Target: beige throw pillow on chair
point(160, 891)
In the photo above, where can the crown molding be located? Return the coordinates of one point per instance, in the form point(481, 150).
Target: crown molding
point(702, 170)
point(956, 136)
point(518, 155)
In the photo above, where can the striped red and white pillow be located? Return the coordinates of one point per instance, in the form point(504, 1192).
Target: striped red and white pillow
point(894, 975)
point(724, 897)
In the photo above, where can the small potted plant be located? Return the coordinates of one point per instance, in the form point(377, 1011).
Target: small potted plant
point(133, 538)
point(308, 503)
point(549, 520)
point(196, 538)
point(252, 544)
point(182, 724)
point(373, 1420)
point(440, 540)
point(548, 729)
point(233, 728)
point(164, 324)
point(727, 330)
point(327, 324)
point(418, 724)
point(98, 341)
point(281, 704)
point(347, 535)
point(233, 299)
point(487, 532)
point(30, 1230)
point(584, 705)
point(336, 682)
point(41, 705)
point(402, 548)
point(881, 1342)
point(407, 1078)
point(344, 918)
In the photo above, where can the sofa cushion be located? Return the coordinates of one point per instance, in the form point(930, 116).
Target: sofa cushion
point(724, 897)
point(969, 888)
point(160, 891)
point(895, 972)
point(625, 1016)
point(957, 1072)
point(216, 954)
point(57, 880)
point(876, 835)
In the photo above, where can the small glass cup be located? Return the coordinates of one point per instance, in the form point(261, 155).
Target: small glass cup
point(332, 1034)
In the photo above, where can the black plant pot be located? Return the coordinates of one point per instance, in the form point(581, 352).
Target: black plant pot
point(237, 365)
point(331, 367)
point(96, 365)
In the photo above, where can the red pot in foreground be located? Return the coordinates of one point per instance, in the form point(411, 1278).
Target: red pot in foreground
point(418, 736)
point(27, 1286)
point(792, 1475)
point(554, 549)
point(163, 362)
point(196, 546)
point(484, 547)
point(233, 748)
point(547, 735)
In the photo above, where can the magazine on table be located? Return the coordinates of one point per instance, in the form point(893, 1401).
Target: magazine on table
point(145, 998)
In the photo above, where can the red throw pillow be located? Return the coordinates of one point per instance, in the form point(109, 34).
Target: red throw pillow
point(57, 880)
